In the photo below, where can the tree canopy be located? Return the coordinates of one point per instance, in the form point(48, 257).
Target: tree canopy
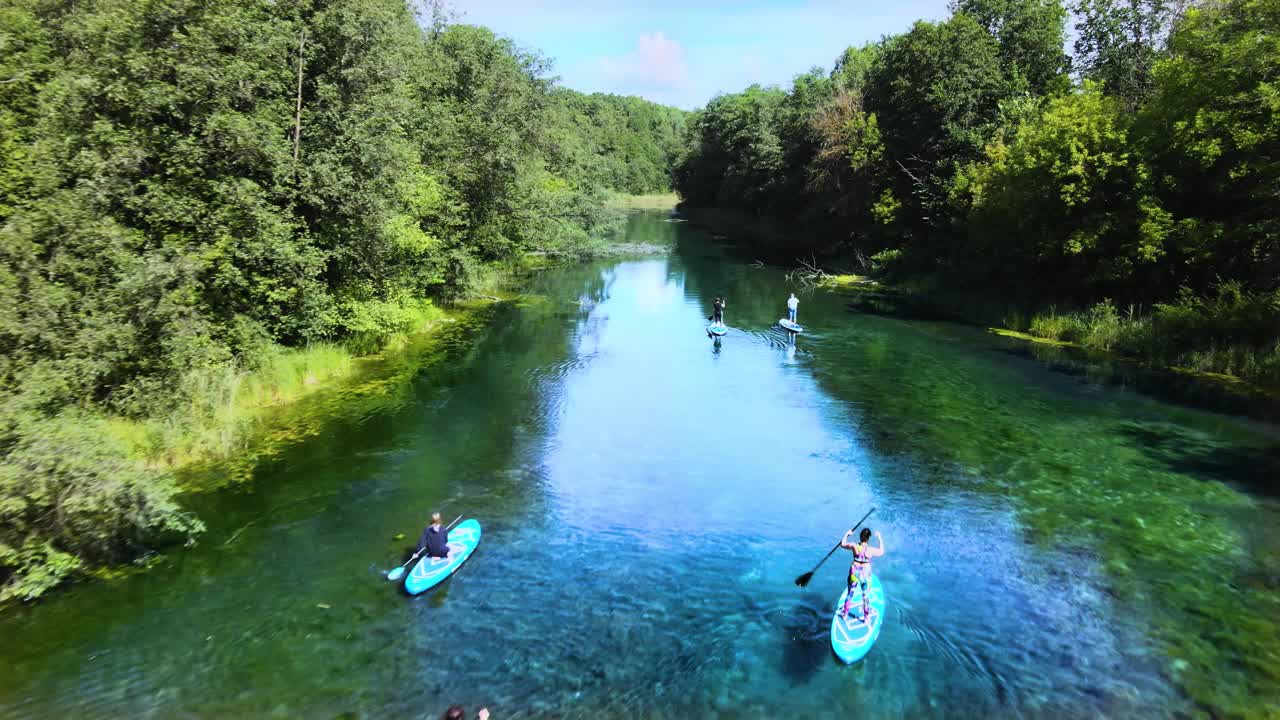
point(966, 149)
point(185, 184)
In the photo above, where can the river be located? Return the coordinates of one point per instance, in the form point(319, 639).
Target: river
point(1058, 546)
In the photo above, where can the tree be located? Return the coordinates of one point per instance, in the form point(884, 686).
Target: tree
point(736, 155)
point(1030, 34)
point(1065, 204)
point(936, 94)
point(854, 66)
point(1118, 42)
point(1212, 130)
point(185, 183)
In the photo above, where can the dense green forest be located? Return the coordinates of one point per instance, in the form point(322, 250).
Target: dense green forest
point(1136, 180)
point(187, 185)
point(624, 143)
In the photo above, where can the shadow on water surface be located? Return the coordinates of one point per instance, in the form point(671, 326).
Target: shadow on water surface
point(806, 647)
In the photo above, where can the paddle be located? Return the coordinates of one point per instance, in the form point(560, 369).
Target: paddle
point(804, 579)
point(398, 573)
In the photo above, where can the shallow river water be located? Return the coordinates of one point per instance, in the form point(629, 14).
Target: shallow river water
point(1057, 546)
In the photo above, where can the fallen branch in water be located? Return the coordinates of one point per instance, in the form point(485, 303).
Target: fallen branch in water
point(808, 273)
point(236, 534)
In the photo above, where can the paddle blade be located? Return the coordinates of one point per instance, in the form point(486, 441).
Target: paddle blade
point(804, 579)
point(396, 574)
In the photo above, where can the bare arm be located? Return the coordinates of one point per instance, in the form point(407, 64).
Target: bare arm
point(877, 551)
point(845, 542)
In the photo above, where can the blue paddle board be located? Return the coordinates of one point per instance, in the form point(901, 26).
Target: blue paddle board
point(717, 329)
point(790, 326)
point(429, 572)
point(852, 638)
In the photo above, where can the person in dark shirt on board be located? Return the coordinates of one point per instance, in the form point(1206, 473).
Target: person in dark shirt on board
point(717, 311)
point(435, 539)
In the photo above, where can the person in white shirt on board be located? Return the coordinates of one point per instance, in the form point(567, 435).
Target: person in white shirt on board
point(792, 305)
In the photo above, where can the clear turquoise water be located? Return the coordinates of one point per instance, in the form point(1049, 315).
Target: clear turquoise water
point(1057, 546)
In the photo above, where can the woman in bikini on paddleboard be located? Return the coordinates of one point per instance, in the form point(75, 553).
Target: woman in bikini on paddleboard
point(860, 570)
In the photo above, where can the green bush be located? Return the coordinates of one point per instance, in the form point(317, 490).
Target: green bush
point(1231, 315)
point(1068, 327)
point(368, 324)
point(1233, 332)
point(71, 496)
point(886, 262)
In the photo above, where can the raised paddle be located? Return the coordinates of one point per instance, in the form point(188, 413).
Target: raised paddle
point(398, 573)
point(805, 578)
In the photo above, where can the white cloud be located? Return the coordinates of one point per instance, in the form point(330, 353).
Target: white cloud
point(657, 64)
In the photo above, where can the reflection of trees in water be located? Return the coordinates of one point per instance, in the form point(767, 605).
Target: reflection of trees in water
point(653, 227)
point(751, 293)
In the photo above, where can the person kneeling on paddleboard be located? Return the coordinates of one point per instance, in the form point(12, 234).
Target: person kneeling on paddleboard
point(792, 305)
point(860, 570)
point(435, 539)
point(717, 311)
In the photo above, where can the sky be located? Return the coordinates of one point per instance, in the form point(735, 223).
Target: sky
point(683, 53)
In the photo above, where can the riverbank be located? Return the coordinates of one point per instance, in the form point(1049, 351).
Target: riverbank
point(241, 414)
point(1196, 386)
point(231, 417)
point(1143, 350)
point(246, 415)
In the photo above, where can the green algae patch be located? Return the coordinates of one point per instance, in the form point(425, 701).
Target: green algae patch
point(1230, 383)
point(117, 573)
point(622, 250)
point(653, 201)
point(849, 282)
point(1003, 332)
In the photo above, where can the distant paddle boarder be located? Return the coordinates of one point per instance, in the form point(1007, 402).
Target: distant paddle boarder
point(717, 311)
point(792, 305)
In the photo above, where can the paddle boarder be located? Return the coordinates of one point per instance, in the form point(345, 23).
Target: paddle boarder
point(792, 305)
point(860, 569)
point(717, 311)
point(435, 539)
